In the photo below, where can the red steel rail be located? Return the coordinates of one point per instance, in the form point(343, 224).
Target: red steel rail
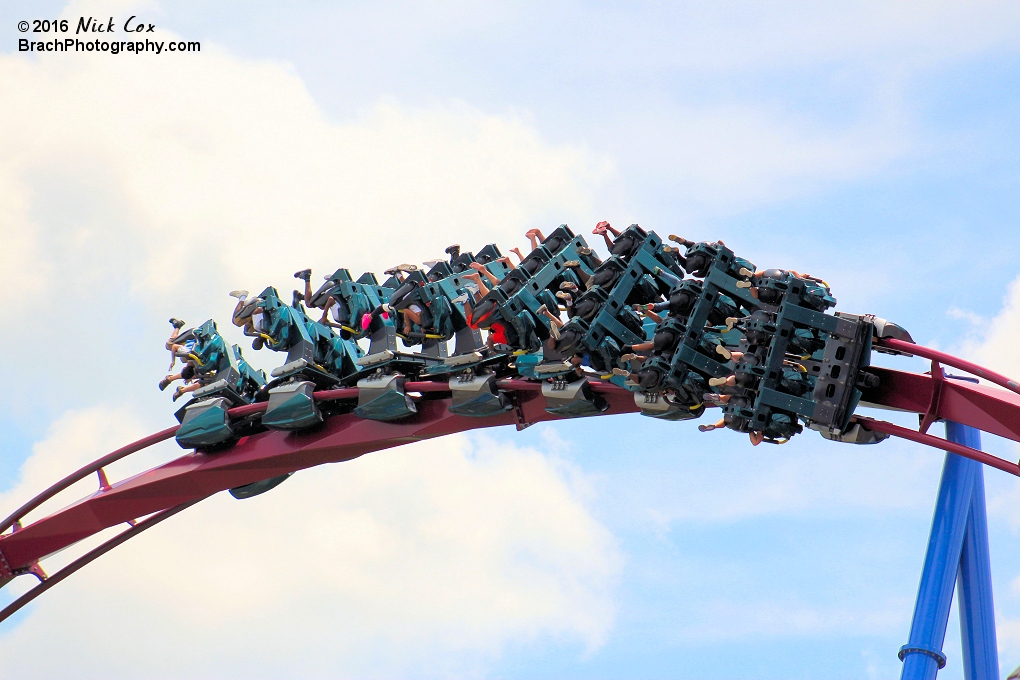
point(268, 454)
point(165, 490)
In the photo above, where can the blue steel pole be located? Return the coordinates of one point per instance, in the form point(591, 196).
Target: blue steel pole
point(922, 655)
point(977, 610)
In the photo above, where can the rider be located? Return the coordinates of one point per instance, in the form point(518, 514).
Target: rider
point(250, 316)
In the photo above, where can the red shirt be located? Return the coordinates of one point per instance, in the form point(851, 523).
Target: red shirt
point(497, 333)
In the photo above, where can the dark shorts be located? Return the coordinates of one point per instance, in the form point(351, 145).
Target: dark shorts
point(188, 372)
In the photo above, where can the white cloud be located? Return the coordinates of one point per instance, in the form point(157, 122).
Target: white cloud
point(994, 345)
point(151, 186)
point(422, 560)
point(183, 176)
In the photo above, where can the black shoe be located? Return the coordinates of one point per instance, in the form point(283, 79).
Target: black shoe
point(176, 323)
point(453, 251)
point(297, 298)
point(258, 343)
point(304, 275)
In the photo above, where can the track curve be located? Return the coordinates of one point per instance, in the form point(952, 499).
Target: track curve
point(149, 497)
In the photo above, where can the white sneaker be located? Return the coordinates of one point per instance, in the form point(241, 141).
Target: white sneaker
point(239, 294)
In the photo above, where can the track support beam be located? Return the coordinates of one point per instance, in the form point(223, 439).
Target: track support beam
point(957, 553)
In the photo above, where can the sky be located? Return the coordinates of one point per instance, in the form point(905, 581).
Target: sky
point(874, 144)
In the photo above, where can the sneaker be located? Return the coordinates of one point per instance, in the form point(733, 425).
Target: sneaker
point(542, 310)
point(682, 241)
point(304, 275)
point(163, 384)
point(176, 323)
point(554, 332)
point(743, 284)
point(569, 286)
point(432, 263)
point(178, 394)
point(296, 298)
point(716, 382)
point(453, 251)
point(706, 428)
point(621, 371)
point(460, 299)
point(725, 353)
point(629, 357)
point(258, 343)
point(569, 264)
point(566, 297)
point(583, 250)
point(407, 267)
point(744, 271)
point(239, 294)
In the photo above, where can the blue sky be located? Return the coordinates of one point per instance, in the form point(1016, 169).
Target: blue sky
point(872, 144)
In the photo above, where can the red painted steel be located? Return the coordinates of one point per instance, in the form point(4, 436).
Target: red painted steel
point(939, 443)
point(950, 360)
point(268, 454)
point(167, 489)
point(88, 557)
point(987, 408)
point(84, 472)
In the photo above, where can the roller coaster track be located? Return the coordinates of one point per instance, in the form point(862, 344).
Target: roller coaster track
point(148, 498)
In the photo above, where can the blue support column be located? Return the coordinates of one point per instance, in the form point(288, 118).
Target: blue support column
point(977, 611)
point(955, 523)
